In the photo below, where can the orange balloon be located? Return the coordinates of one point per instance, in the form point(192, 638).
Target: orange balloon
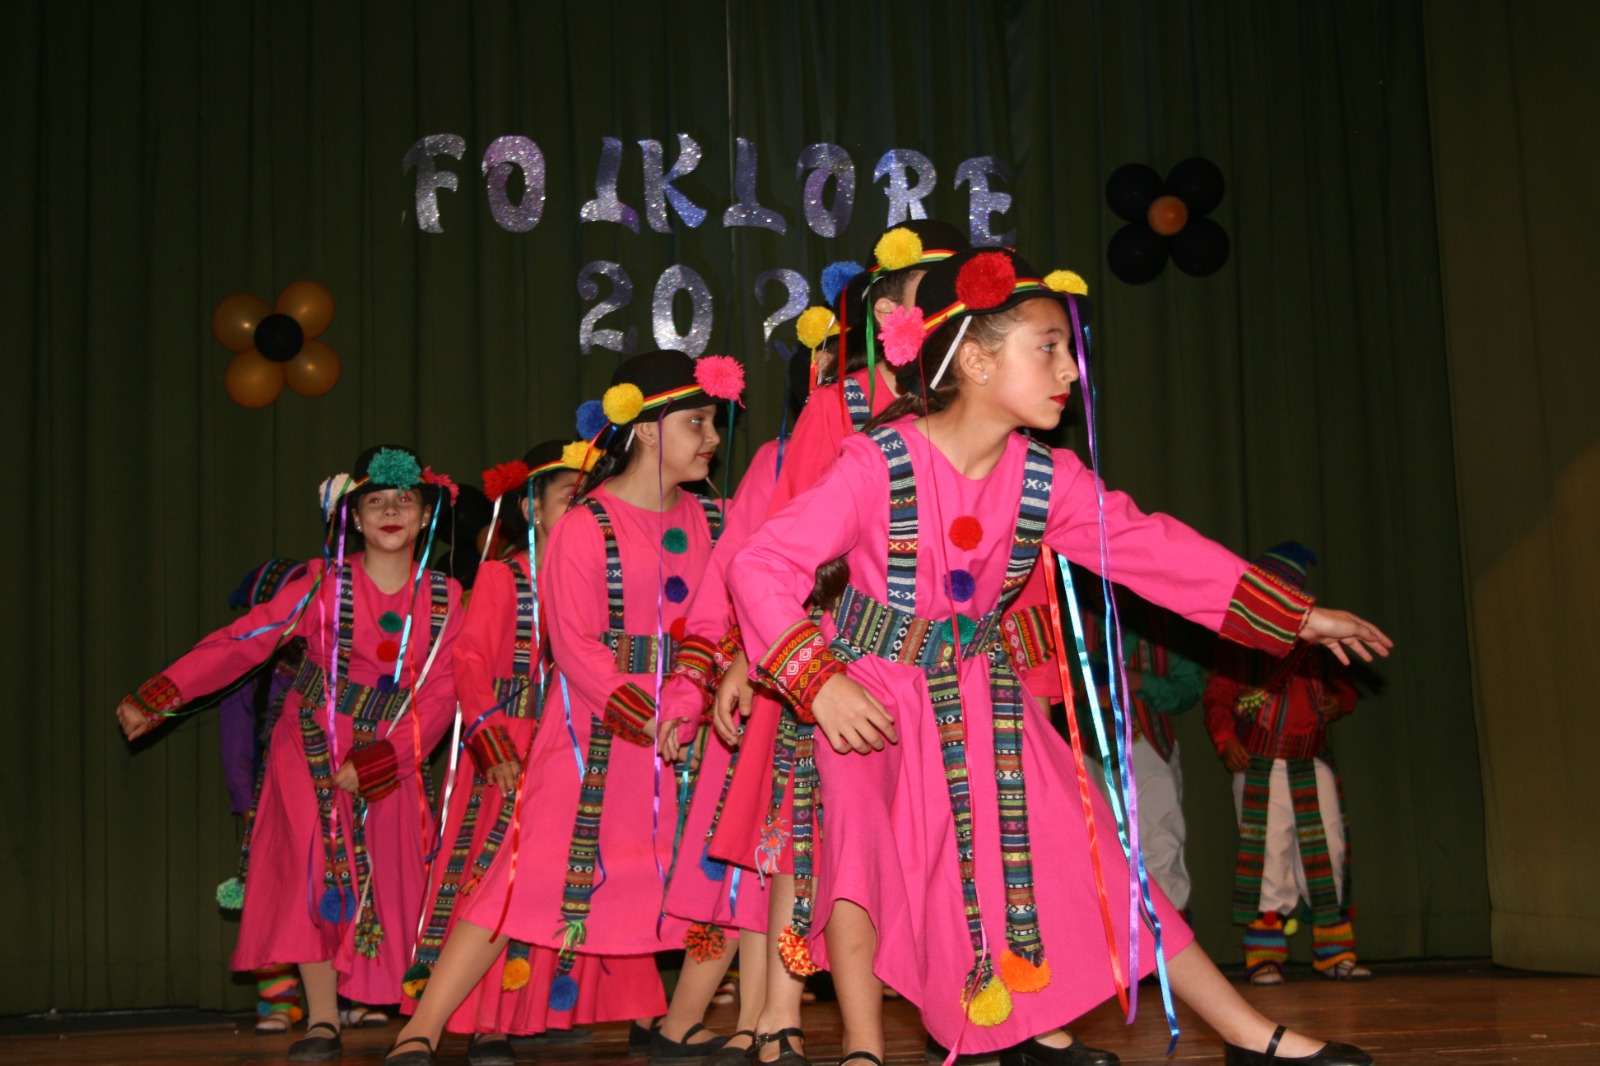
point(253, 380)
point(1167, 215)
point(314, 371)
point(308, 303)
point(235, 318)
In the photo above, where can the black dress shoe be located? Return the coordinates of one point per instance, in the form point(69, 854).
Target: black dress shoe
point(1332, 1054)
point(311, 1048)
point(664, 1052)
point(410, 1058)
point(639, 1037)
point(481, 1052)
point(1032, 1053)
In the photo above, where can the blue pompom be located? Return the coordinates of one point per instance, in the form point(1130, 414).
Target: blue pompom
point(591, 419)
point(714, 870)
point(563, 993)
point(961, 585)
point(337, 906)
point(835, 276)
point(677, 589)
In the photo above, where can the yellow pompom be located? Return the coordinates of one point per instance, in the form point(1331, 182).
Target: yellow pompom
point(1066, 281)
point(1291, 927)
point(580, 455)
point(814, 326)
point(515, 975)
point(622, 403)
point(991, 1006)
point(1020, 975)
point(898, 249)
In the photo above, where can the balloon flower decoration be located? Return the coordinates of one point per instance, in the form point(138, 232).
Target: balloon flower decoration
point(1166, 218)
point(276, 344)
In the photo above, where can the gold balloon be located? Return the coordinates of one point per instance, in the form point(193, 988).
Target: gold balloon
point(308, 303)
point(1167, 215)
point(253, 380)
point(314, 371)
point(235, 318)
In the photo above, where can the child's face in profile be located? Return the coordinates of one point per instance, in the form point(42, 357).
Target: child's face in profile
point(689, 440)
point(1034, 368)
point(555, 498)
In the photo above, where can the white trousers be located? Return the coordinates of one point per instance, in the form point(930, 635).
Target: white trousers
point(1283, 875)
point(1162, 830)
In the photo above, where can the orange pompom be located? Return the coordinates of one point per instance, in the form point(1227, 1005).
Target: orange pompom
point(1020, 975)
point(795, 954)
point(515, 975)
point(705, 942)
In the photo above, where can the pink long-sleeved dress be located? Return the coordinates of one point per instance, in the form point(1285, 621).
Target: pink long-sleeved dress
point(662, 559)
point(282, 922)
point(498, 691)
point(887, 837)
point(703, 888)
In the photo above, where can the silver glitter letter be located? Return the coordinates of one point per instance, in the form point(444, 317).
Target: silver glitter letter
point(499, 159)
point(658, 190)
point(621, 293)
point(983, 202)
point(905, 199)
point(605, 207)
point(676, 279)
point(827, 161)
point(430, 179)
point(747, 212)
point(799, 295)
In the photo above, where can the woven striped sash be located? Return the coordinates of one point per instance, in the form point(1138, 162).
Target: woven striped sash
point(367, 706)
point(583, 853)
point(1310, 834)
point(893, 631)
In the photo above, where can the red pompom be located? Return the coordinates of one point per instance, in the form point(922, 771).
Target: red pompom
point(986, 280)
point(966, 532)
point(503, 477)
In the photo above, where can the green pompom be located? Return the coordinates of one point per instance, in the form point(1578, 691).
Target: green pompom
point(394, 468)
point(230, 894)
point(675, 541)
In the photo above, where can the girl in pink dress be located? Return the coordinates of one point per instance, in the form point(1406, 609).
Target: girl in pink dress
point(336, 875)
point(501, 671)
point(929, 862)
point(599, 817)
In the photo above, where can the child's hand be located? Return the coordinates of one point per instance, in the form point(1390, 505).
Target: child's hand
point(130, 716)
point(1338, 630)
point(852, 718)
point(504, 776)
point(1234, 756)
point(346, 778)
point(731, 703)
point(668, 744)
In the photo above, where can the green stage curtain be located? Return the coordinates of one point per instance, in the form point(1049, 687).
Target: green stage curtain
point(1516, 140)
point(162, 156)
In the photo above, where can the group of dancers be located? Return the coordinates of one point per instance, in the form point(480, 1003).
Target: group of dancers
point(810, 721)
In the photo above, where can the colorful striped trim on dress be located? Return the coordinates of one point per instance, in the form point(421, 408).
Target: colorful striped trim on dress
point(856, 403)
point(1027, 635)
point(1267, 612)
point(868, 627)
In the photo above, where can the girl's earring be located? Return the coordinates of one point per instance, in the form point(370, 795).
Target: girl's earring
point(985, 380)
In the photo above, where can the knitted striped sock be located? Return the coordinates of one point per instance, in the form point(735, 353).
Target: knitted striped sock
point(1264, 943)
point(278, 989)
point(1332, 943)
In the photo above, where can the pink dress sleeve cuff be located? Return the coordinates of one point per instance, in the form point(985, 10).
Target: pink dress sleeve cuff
point(797, 665)
point(627, 711)
point(377, 769)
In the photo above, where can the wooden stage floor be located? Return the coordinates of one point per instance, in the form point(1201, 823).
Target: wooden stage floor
point(1466, 1014)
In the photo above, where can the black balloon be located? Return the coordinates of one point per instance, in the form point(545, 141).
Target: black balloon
point(1129, 190)
point(279, 338)
point(1200, 248)
point(1198, 183)
point(1137, 253)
